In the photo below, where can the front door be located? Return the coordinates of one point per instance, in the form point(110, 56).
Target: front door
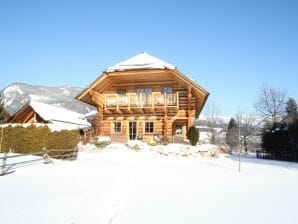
point(132, 130)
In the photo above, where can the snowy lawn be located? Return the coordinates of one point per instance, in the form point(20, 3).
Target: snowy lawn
point(119, 185)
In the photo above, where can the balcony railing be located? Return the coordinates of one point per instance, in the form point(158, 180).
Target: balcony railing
point(134, 100)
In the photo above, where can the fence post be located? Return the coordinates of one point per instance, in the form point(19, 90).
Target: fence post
point(3, 166)
point(46, 156)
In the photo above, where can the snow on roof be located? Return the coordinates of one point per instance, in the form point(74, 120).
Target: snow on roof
point(90, 115)
point(57, 114)
point(141, 61)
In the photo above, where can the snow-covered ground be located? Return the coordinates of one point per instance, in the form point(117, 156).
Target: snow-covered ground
point(119, 185)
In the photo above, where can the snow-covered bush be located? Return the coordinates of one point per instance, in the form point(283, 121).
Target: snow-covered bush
point(153, 141)
point(102, 141)
point(136, 145)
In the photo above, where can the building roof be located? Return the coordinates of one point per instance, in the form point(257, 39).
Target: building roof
point(140, 61)
point(53, 113)
point(90, 115)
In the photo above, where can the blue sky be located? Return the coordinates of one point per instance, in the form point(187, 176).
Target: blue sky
point(231, 47)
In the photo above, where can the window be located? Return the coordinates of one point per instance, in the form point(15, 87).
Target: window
point(117, 127)
point(145, 90)
point(149, 127)
point(121, 92)
point(168, 90)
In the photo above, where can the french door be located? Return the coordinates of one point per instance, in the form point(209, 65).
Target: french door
point(132, 130)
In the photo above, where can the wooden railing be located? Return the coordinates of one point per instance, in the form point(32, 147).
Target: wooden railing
point(134, 100)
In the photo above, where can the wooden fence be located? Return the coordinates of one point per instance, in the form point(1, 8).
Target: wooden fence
point(7, 165)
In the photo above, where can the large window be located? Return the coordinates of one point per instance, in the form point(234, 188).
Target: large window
point(117, 127)
point(149, 127)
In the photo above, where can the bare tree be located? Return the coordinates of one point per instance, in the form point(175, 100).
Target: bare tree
point(271, 103)
point(247, 130)
point(212, 112)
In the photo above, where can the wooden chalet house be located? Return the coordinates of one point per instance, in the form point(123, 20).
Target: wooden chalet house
point(144, 96)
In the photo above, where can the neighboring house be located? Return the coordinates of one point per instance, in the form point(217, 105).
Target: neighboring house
point(144, 96)
point(37, 112)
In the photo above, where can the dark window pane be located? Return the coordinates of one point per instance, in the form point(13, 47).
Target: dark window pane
point(117, 127)
point(149, 127)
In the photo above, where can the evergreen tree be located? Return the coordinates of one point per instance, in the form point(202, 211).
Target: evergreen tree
point(232, 133)
point(291, 107)
point(1, 110)
point(193, 135)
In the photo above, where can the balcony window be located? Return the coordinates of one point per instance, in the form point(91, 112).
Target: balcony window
point(117, 127)
point(121, 92)
point(149, 127)
point(144, 90)
point(168, 90)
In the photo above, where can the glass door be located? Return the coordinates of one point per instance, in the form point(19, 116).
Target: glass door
point(132, 130)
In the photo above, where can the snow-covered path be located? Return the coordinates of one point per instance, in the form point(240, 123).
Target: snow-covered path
point(122, 186)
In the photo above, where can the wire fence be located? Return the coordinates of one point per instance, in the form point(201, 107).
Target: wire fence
point(8, 163)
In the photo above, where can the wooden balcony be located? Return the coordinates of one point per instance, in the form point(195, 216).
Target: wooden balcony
point(132, 102)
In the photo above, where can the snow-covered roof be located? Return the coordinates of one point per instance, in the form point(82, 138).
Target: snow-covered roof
point(57, 114)
point(90, 115)
point(141, 61)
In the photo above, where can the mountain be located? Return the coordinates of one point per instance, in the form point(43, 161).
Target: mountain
point(221, 121)
point(17, 95)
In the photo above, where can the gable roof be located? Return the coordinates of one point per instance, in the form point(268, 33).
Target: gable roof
point(140, 61)
point(52, 113)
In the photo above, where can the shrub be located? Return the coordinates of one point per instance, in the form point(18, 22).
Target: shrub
point(280, 141)
point(135, 145)
point(101, 145)
point(193, 135)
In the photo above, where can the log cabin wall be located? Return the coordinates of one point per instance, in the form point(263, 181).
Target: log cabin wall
point(163, 120)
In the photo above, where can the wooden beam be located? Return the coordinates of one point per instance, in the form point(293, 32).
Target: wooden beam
point(133, 72)
point(177, 100)
point(107, 111)
point(144, 83)
point(100, 120)
point(189, 96)
point(165, 130)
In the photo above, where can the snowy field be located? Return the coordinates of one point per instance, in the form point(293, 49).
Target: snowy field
point(118, 185)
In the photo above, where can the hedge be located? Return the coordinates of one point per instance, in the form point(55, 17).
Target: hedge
point(280, 141)
point(33, 139)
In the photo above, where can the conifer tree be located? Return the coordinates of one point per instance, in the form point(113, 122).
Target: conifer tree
point(232, 133)
point(291, 107)
point(193, 135)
